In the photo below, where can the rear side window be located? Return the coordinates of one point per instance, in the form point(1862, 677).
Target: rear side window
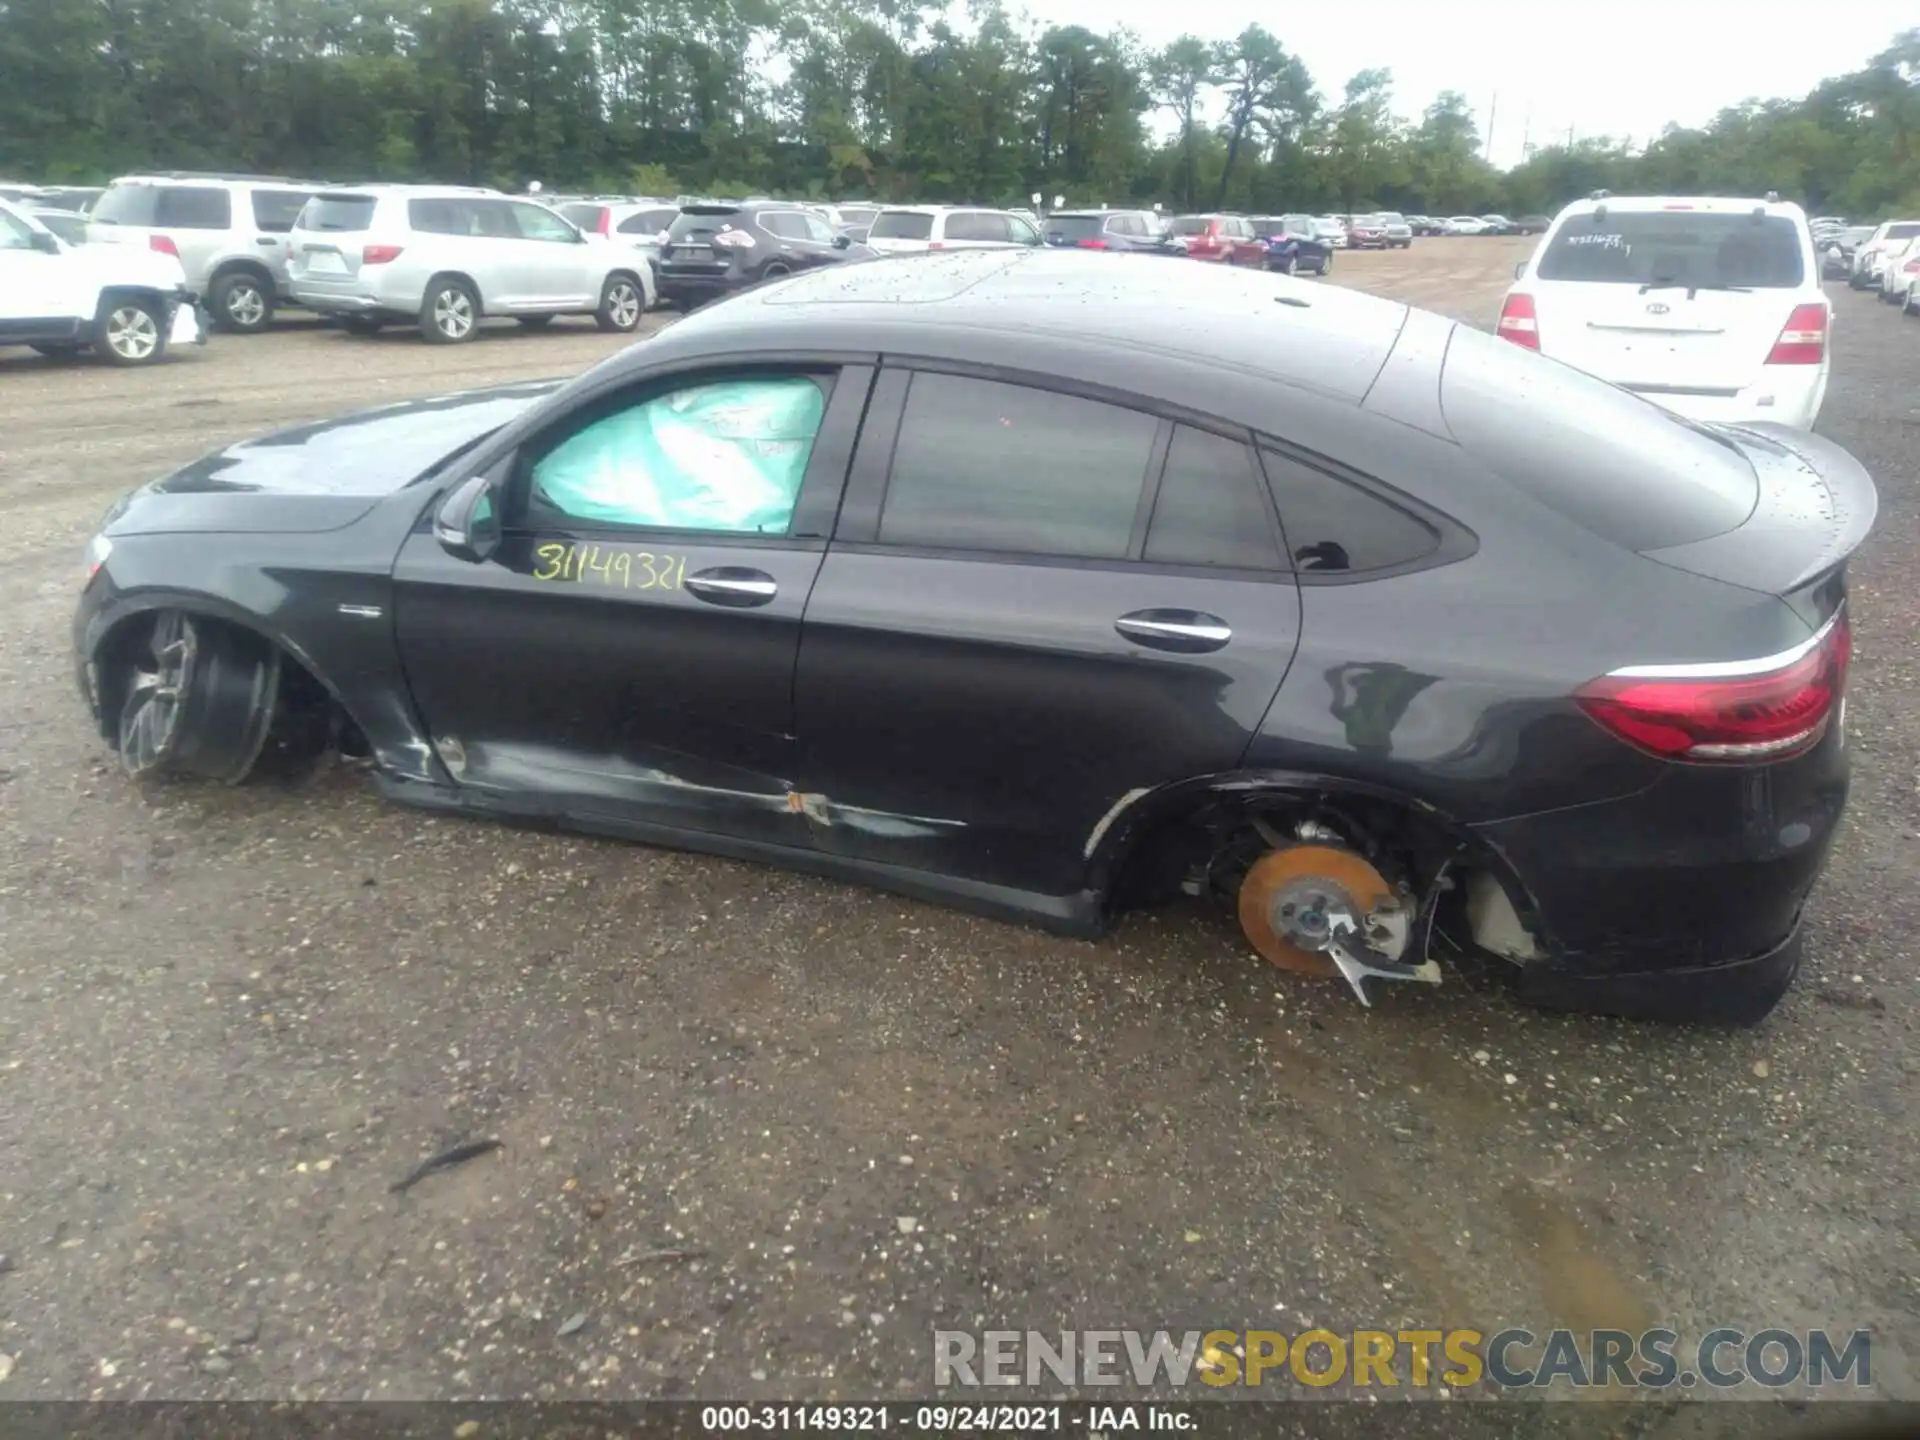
point(1676, 247)
point(1621, 466)
point(587, 217)
point(127, 205)
point(1188, 225)
point(440, 217)
point(647, 222)
point(339, 213)
point(785, 223)
point(1074, 227)
point(901, 225)
point(982, 465)
point(194, 207)
point(274, 211)
point(1334, 526)
point(1209, 510)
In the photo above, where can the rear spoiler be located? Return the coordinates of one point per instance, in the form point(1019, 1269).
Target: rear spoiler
point(1816, 505)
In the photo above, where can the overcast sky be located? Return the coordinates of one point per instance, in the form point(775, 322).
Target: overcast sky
point(1623, 68)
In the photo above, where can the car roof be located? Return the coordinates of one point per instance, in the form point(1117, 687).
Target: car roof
point(939, 209)
point(1029, 307)
point(1706, 204)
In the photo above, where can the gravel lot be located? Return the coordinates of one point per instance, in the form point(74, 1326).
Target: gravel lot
point(229, 1020)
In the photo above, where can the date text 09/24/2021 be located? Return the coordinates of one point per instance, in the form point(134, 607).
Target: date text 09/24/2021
point(948, 1419)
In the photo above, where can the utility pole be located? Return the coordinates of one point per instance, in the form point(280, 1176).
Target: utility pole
point(1569, 137)
point(1493, 114)
point(1526, 133)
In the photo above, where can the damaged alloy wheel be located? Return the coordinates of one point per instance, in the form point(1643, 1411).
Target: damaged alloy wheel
point(198, 700)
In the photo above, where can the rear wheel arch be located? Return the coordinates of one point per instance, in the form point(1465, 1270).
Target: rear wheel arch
point(440, 277)
point(1150, 835)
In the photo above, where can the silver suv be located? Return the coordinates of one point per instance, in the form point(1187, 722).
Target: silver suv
point(228, 231)
point(444, 256)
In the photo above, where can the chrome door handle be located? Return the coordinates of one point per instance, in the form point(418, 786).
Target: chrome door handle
point(1181, 631)
point(732, 585)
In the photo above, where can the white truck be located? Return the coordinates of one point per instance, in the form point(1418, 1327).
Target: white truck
point(125, 304)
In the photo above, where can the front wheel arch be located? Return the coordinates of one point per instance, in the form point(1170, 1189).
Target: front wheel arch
point(307, 712)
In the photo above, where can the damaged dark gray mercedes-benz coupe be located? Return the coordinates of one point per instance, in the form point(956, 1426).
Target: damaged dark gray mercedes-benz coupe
point(1046, 584)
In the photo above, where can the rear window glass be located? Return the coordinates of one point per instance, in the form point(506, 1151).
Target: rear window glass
point(127, 205)
point(1621, 466)
point(901, 225)
point(1076, 227)
point(1683, 247)
point(274, 211)
point(194, 207)
point(692, 225)
point(339, 212)
point(1189, 225)
point(587, 217)
point(1903, 232)
point(647, 222)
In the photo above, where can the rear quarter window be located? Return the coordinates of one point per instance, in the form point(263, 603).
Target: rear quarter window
point(1622, 467)
point(1335, 527)
point(1683, 247)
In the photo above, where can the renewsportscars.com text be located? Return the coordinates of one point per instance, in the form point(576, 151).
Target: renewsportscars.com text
point(1457, 1359)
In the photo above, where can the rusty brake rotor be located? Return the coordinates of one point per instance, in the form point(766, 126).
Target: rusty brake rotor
point(1289, 896)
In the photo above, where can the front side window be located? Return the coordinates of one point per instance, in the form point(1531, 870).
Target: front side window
point(725, 456)
point(536, 222)
point(984, 465)
point(818, 230)
point(1209, 511)
point(194, 207)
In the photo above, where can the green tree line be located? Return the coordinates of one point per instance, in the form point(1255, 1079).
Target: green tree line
point(891, 99)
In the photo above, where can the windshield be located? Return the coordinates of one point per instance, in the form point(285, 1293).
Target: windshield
point(1694, 248)
point(901, 225)
point(1076, 227)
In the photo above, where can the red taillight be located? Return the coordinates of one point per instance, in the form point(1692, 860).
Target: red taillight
point(1803, 339)
point(1518, 322)
point(605, 227)
point(1093, 244)
point(380, 254)
point(1727, 713)
point(936, 244)
point(164, 244)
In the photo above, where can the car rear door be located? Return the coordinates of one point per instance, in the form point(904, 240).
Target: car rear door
point(1674, 301)
point(628, 653)
point(1035, 606)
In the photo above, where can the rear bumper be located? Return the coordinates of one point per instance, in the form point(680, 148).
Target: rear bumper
point(1785, 394)
point(682, 287)
point(1694, 884)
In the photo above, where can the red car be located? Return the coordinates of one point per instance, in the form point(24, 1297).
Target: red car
point(1367, 232)
point(1228, 238)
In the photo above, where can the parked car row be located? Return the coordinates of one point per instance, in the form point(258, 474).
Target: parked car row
point(1887, 262)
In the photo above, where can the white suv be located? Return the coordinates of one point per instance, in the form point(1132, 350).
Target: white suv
point(60, 299)
point(228, 232)
point(1709, 307)
point(442, 257)
point(902, 229)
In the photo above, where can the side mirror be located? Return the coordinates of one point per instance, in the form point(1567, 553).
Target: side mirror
point(1520, 270)
point(842, 242)
point(467, 524)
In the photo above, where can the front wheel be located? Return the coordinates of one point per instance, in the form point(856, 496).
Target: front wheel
point(132, 330)
point(450, 314)
point(1326, 263)
point(621, 305)
point(1293, 264)
point(242, 303)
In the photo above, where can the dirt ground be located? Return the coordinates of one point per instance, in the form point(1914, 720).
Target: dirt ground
point(229, 1020)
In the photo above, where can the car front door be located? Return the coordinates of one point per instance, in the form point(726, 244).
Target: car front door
point(38, 288)
point(1036, 606)
point(628, 652)
point(561, 268)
